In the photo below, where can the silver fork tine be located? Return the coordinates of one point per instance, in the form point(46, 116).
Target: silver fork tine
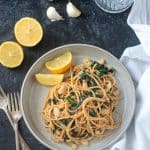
point(9, 102)
point(2, 92)
point(16, 101)
point(12, 102)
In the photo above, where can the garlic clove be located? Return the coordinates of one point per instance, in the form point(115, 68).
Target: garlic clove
point(53, 15)
point(72, 10)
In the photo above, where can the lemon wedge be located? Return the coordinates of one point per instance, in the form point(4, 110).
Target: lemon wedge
point(49, 79)
point(28, 31)
point(11, 54)
point(60, 64)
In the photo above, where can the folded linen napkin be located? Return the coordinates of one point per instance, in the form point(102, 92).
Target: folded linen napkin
point(137, 61)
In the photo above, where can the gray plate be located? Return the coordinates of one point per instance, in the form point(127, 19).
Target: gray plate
point(33, 95)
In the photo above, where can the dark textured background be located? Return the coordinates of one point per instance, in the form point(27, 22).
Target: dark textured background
point(109, 31)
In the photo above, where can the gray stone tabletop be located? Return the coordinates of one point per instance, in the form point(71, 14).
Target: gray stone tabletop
point(108, 31)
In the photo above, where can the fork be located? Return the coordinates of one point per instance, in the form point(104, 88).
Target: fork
point(3, 106)
point(14, 108)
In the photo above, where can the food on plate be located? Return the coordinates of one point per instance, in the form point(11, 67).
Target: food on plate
point(53, 15)
point(49, 79)
point(72, 10)
point(60, 64)
point(85, 105)
point(28, 31)
point(11, 54)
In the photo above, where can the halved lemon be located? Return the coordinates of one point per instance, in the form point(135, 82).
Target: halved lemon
point(28, 31)
point(11, 54)
point(60, 64)
point(49, 79)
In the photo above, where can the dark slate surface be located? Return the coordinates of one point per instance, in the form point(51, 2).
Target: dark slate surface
point(96, 27)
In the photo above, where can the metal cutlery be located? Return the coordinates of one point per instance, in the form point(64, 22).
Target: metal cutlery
point(3, 106)
point(14, 108)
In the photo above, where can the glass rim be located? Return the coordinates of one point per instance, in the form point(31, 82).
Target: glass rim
point(113, 11)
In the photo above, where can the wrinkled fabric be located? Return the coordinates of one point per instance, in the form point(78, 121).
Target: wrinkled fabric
point(137, 61)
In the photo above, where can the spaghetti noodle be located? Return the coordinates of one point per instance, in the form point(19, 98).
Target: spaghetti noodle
point(83, 105)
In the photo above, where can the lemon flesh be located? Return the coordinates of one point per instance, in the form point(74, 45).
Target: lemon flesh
point(11, 54)
point(49, 79)
point(28, 31)
point(60, 64)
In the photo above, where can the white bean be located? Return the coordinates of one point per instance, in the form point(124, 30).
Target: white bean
point(74, 146)
point(62, 89)
point(56, 112)
point(85, 143)
point(101, 61)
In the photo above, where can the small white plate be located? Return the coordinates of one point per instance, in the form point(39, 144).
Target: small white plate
point(33, 95)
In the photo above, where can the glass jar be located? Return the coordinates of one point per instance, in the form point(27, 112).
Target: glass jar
point(114, 6)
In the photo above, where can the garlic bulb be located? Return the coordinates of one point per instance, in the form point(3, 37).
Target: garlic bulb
point(72, 10)
point(53, 15)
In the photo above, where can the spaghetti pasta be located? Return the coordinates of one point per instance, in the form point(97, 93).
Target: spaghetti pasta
point(83, 105)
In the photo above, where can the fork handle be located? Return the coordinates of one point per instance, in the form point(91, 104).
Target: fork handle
point(16, 136)
point(24, 145)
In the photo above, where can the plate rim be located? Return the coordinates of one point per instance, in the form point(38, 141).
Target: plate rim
point(64, 46)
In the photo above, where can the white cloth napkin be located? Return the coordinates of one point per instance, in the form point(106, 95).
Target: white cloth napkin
point(137, 61)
